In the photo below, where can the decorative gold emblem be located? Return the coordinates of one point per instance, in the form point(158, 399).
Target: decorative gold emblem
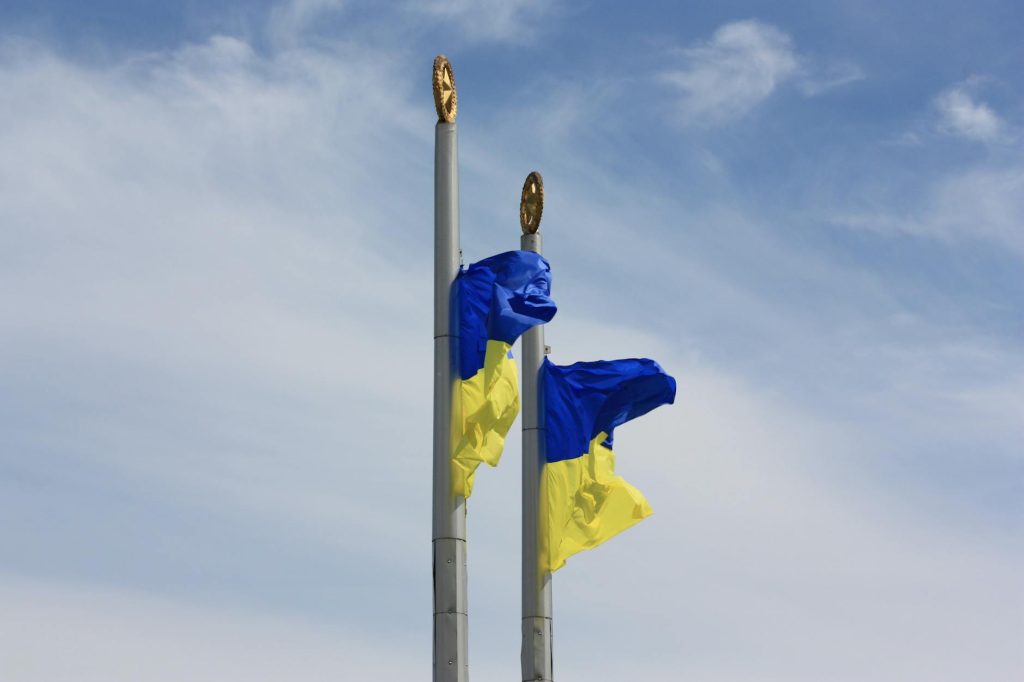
point(445, 99)
point(531, 205)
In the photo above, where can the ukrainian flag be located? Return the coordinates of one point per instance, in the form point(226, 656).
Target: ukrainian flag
point(583, 502)
point(497, 300)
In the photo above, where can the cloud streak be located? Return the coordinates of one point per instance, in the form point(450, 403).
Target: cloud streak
point(507, 21)
point(120, 634)
point(960, 114)
point(726, 77)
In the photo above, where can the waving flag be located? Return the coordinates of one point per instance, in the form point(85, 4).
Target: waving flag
point(583, 503)
point(497, 300)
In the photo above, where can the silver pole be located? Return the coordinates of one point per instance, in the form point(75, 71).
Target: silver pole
point(535, 656)
point(451, 660)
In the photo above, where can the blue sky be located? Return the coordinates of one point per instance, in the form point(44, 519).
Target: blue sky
point(215, 235)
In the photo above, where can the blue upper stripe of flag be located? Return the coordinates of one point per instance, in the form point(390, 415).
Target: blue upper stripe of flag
point(585, 399)
point(498, 299)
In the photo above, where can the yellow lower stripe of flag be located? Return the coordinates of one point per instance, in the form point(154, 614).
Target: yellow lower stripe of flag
point(483, 410)
point(583, 503)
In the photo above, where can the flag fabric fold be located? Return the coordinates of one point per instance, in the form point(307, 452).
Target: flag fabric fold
point(583, 502)
point(497, 299)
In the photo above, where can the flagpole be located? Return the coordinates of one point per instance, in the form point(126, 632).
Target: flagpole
point(535, 656)
point(451, 622)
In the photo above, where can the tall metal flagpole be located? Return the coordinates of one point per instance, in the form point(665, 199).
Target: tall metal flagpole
point(535, 655)
point(451, 623)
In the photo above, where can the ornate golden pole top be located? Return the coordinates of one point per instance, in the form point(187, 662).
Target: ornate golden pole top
point(446, 100)
point(531, 204)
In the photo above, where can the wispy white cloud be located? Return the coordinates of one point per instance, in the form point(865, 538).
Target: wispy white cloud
point(185, 200)
point(510, 21)
point(961, 114)
point(817, 79)
point(726, 76)
point(982, 203)
point(743, 63)
point(288, 21)
point(81, 633)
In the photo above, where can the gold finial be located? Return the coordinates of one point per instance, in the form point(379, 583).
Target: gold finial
point(531, 205)
point(445, 99)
